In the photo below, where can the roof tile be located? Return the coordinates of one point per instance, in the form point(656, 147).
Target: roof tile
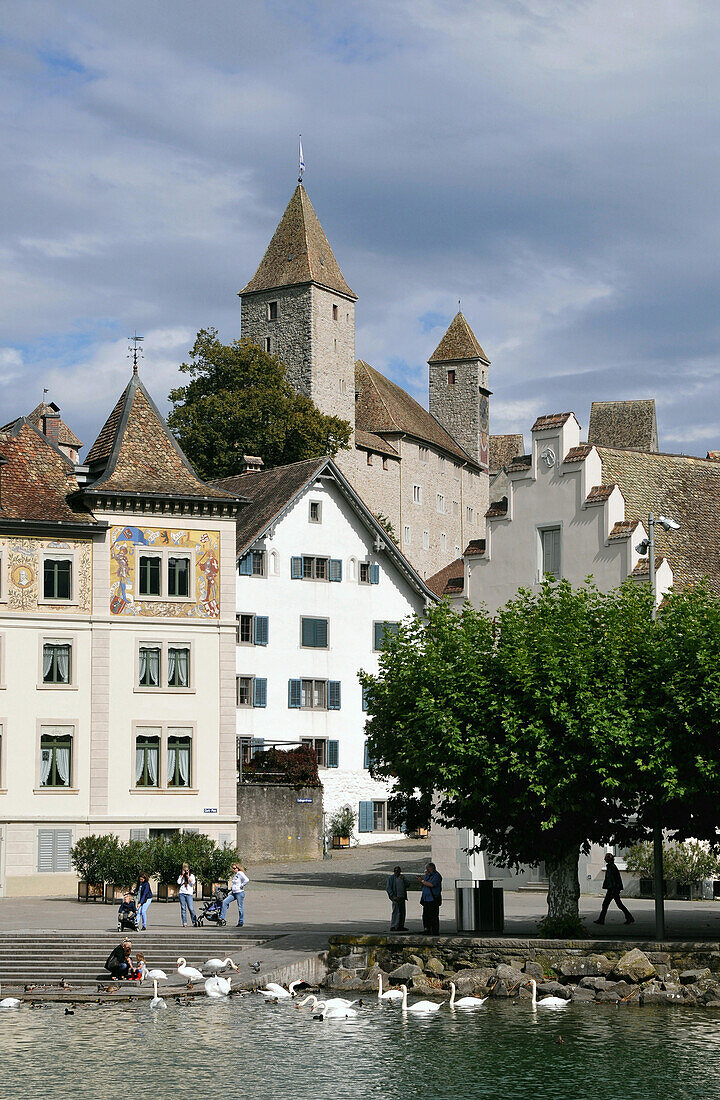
point(503, 449)
point(36, 479)
point(458, 343)
point(623, 424)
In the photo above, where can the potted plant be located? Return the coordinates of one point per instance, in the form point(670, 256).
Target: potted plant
point(220, 867)
point(125, 863)
point(167, 860)
point(341, 826)
point(88, 857)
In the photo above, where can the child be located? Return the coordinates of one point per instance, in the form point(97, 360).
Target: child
point(137, 971)
point(127, 913)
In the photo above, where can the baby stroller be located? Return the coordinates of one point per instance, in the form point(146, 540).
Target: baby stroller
point(211, 910)
point(127, 917)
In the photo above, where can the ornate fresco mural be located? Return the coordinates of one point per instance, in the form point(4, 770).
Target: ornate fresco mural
point(205, 549)
point(23, 574)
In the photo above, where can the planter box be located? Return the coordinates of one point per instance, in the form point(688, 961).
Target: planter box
point(90, 891)
point(689, 891)
point(167, 891)
point(341, 842)
point(208, 889)
point(114, 893)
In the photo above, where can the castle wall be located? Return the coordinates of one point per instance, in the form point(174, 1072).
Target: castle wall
point(290, 335)
point(333, 354)
point(462, 408)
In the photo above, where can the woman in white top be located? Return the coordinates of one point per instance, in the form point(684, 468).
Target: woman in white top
point(186, 882)
point(237, 891)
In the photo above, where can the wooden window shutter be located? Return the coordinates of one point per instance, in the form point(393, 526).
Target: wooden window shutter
point(333, 697)
point(296, 569)
point(295, 693)
point(374, 573)
point(365, 817)
point(245, 566)
point(260, 691)
point(333, 754)
point(335, 569)
point(261, 629)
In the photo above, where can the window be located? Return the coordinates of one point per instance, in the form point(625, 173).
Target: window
point(424, 454)
point(57, 663)
point(178, 666)
point(372, 817)
point(314, 633)
point(334, 313)
point(384, 462)
point(457, 551)
point(251, 691)
point(246, 749)
point(456, 508)
point(442, 464)
point(56, 756)
point(315, 511)
point(163, 665)
point(469, 514)
point(178, 576)
point(150, 583)
point(440, 503)
point(57, 578)
point(179, 752)
point(147, 760)
point(368, 572)
point(327, 751)
point(417, 494)
point(268, 345)
point(369, 458)
point(314, 694)
point(426, 540)
point(550, 552)
point(315, 569)
point(149, 666)
point(443, 542)
point(272, 311)
point(379, 817)
point(406, 535)
point(252, 564)
point(341, 384)
point(167, 576)
point(381, 630)
point(54, 850)
point(451, 377)
point(252, 629)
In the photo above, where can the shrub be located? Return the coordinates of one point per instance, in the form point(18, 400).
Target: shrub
point(689, 862)
point(222, 861)
point(296, 767)
point(342, 822)
point(641, 861)
point(92, 856)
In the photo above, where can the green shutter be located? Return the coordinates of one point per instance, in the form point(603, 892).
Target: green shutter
point(333, 754)
point(333, 696)
point(335, 569)
point(365, 817)
point(296, 569)
point(261, 630)
point(245, 566)
point(295, 693)
point(374, 573)
point(260, 691)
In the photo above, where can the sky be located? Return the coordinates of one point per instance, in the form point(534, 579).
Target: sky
point(552, 164)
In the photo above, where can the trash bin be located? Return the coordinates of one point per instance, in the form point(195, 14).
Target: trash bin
point(479, 907)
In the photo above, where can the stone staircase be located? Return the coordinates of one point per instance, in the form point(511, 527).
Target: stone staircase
point(48, 958)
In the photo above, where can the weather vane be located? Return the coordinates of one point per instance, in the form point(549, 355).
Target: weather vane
point(301, 159)
point(135, 350)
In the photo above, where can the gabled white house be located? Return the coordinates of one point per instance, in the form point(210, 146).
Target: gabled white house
point(319, 581)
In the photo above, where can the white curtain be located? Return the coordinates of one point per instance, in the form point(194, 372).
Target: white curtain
point(139, 762)
point(152, 765)
point(172, 665)
point(47, 661)
point(171, 766)
point(63, 663)
point(182, 657)
point(149, 667)
point(184, 764)
point(62, 764)
point(45, 760)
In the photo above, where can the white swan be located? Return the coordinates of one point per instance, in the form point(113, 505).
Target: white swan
point(9, 1002)
point(422, 1008)
point(189, 972)
point(391, 995)
point(217, 986)
point(331, 1002)
point(546, 1002)
point(156, 1002)
point(273, 989)
point(219, 964)
point(330, 1011)
point(153, 975)
point(465, 1002)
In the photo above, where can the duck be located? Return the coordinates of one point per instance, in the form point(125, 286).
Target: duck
point(545, 1002)
point(391, 996)
point(157, 1002)
point(219, 964)
point(420, 1008)
point(10, 1002)
point(217, 986)
point(328, 1011)
point(465, 1002)
point(188, 972)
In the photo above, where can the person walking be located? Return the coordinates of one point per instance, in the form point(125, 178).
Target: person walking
point(396, 890)
point(144, 901)
point(237, 893)
point(612, 885)
point(186, 882)
point(431, 900)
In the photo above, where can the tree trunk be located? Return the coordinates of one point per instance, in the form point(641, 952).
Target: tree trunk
point(563, 915)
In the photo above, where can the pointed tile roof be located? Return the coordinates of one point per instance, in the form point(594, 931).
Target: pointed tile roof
point(136, 453)
point(459, 342)
point(299, 252)
point(37, 482)
point(65, 435)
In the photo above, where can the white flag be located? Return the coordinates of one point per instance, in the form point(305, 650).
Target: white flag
point(301, 158)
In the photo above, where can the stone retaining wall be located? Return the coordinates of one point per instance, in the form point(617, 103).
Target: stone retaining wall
point(580, 970)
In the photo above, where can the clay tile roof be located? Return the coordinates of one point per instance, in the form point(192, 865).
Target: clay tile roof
point(685, 488)
point(475, 547)
point(519, 463)
point(370, 441)
point(642, 567)
point(599, 493)
point(713, 456)
point(577, 454)
point(36, 479)
point(458, 343)
point(136, 453)
point(299, 252)
point(503, 449)
point(448, 581)
point(381, 406)
point(552, 420)
point(623, 529)
point(497, 508)
point(622, 424)
point(268, 493)
point(65, 436)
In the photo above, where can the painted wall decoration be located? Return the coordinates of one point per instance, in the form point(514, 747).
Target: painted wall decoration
point(24, 573)
point(204, 547)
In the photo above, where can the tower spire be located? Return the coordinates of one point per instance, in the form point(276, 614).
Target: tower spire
point(301, 159)
point(135, 351)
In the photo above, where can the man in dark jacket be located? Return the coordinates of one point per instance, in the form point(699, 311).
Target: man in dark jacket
point(431, 900)
point(612, 885)
point(396, 889)
point(118, 961)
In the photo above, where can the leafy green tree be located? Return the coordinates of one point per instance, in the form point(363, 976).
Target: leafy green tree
point(519, 727)
point(239, 401)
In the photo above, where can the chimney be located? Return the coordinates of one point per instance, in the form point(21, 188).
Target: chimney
point(51, 423)
point(251, 464)
point(714, 456)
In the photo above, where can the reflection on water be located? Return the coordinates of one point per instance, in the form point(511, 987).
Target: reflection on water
point(265, 1051)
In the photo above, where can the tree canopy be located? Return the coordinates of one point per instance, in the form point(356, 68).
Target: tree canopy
point(239, 401)
point(563, 721)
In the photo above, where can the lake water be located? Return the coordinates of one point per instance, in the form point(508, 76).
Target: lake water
point(244, 1048)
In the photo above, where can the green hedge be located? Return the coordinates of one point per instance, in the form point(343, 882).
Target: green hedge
point(106, 859)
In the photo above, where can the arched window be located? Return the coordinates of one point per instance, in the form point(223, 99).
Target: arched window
point(274, 563)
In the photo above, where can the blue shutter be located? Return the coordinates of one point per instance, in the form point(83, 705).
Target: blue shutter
point(295, 693)
point(245, 566)
point(335, 569)
point(365, 817)
point(365, 698)
point(374, 573)
point(333, 754)
point(321, 633)
point(261, 630)
point(260, 691)
point(366, 758)
point(257, 745)
point(379, 629)
point(296, 569)
point(333, 695)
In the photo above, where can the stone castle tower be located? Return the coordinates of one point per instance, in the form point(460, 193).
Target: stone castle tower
point(459, 394)
point(299, 307)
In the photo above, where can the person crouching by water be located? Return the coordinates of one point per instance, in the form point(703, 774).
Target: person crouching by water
point(186, 882)
point(118, 961)
point(612, 885)
point(144, 900)
point(396, 890)
point(431, 900)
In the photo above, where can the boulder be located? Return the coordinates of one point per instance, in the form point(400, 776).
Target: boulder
point(336, 982)
point(499, 989)
point(581, 966)
point(533, 970)
point(375, 972)
point(553, 989)
point(428, 987)
point(417, 961)
point(689, 977)
point(481, 975)
point(623, 989)
point(635, 966)
point(662, 970)
point(594, 983)
point(654, 995)
point(511, 976)
point(580, 993)
point(712, 1004)
point(341, 975)
point(435, 966)
point(405, 972)
point(607, 995)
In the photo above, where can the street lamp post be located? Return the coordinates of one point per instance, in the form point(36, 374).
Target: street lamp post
point(647, 546)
